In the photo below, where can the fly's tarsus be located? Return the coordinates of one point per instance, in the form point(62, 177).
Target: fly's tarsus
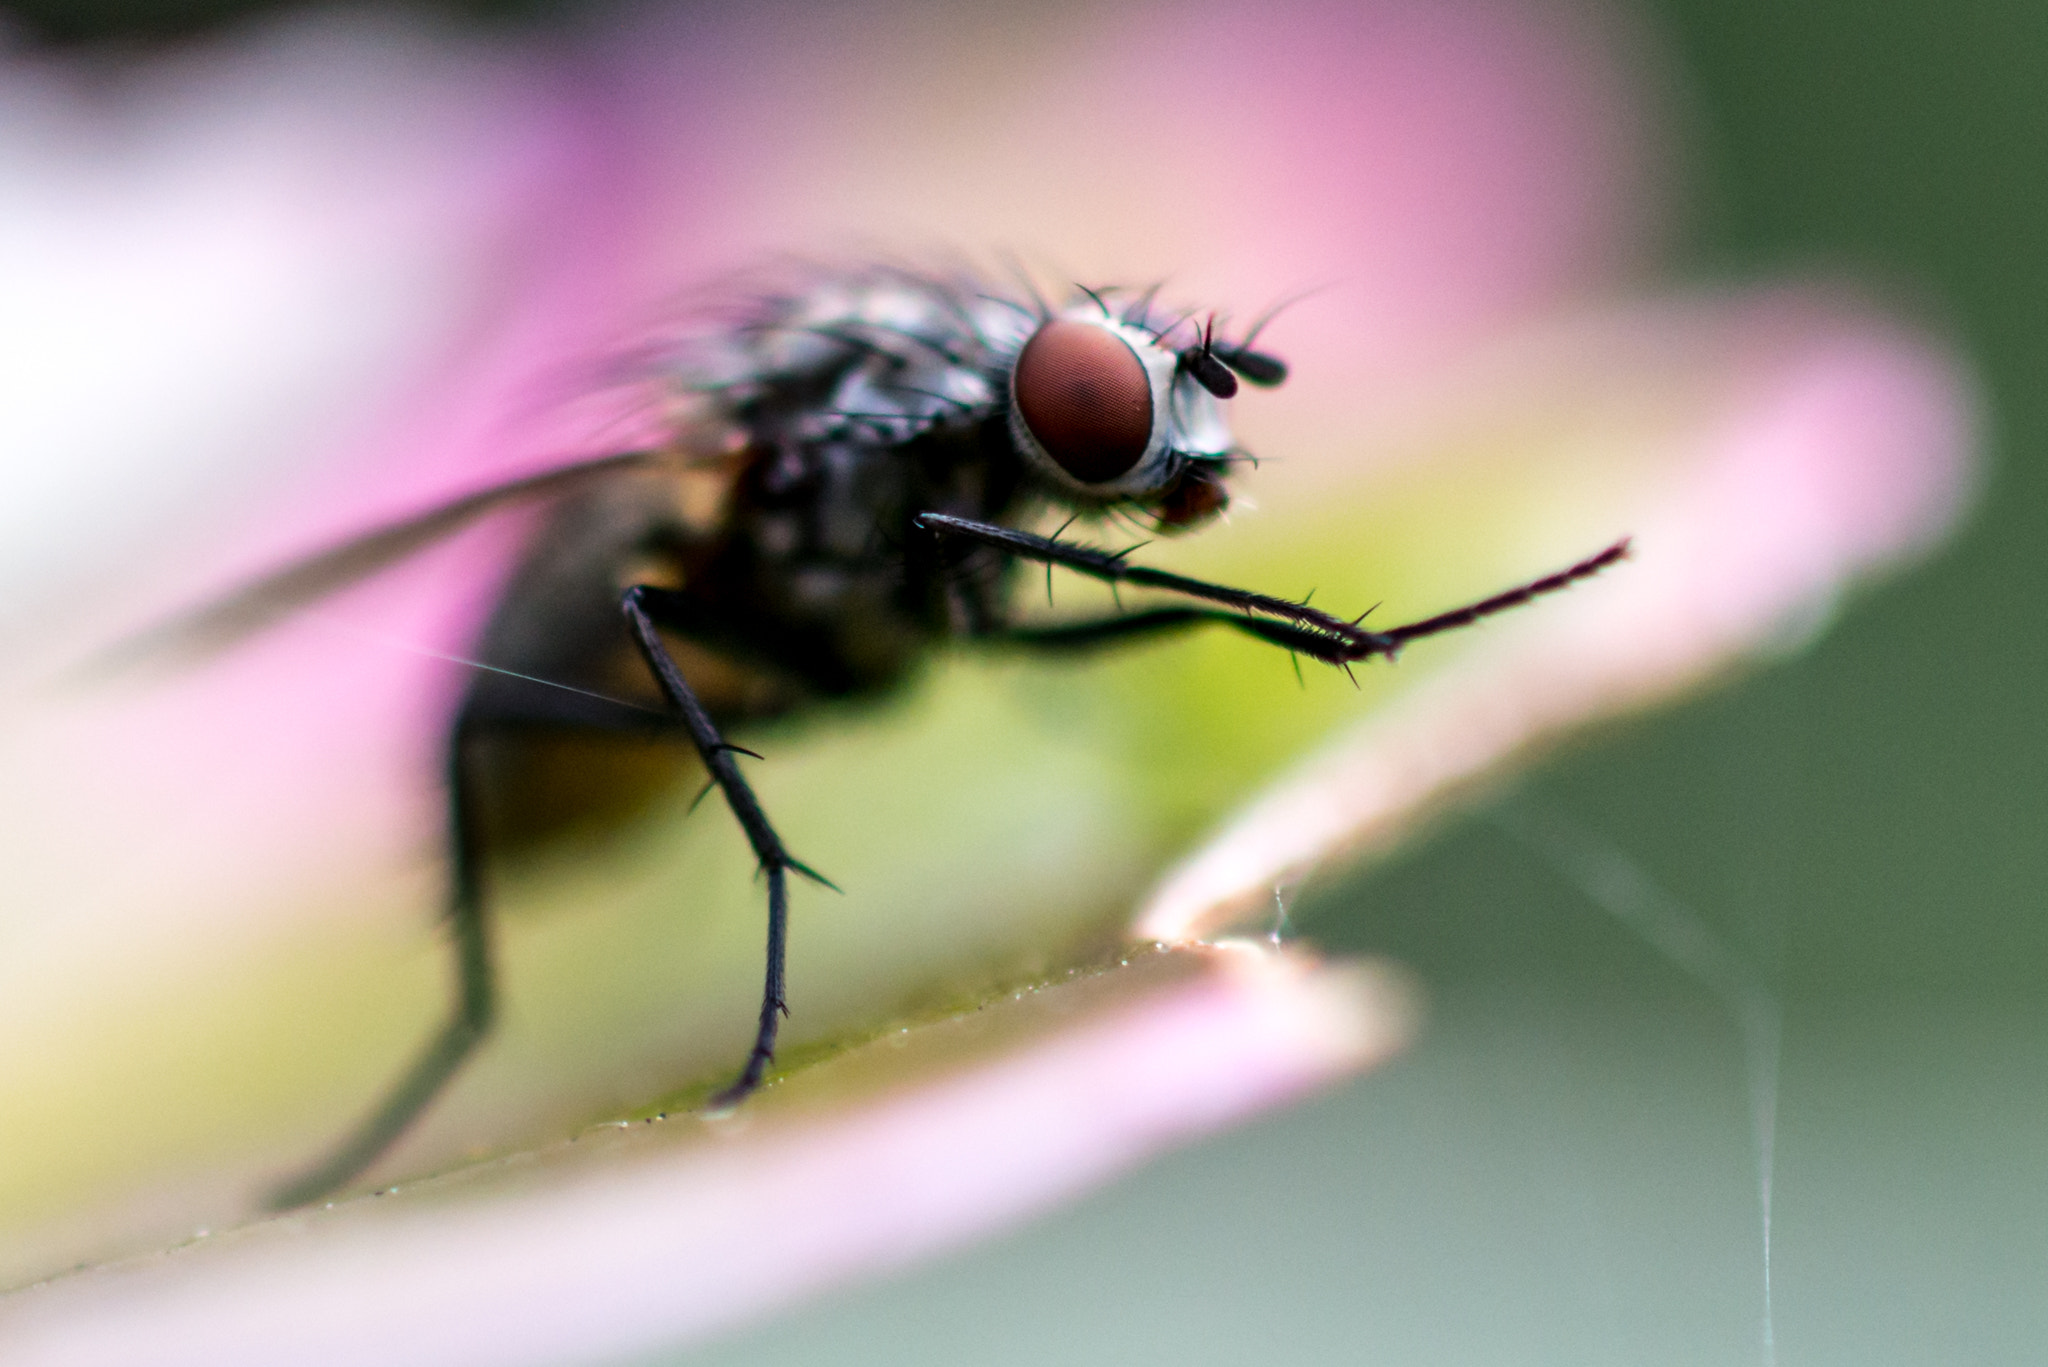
point(1512, 598)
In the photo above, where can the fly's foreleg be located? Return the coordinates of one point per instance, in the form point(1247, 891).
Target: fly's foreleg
point(646, 608)
point(1347, 640)
point(1098, 633)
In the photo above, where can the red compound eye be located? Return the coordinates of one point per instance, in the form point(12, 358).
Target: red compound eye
point(1085, 395)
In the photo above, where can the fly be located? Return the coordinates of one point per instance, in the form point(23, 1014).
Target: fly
point(846, 483)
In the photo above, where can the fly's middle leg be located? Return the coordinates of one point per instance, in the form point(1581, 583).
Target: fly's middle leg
point(647, 609)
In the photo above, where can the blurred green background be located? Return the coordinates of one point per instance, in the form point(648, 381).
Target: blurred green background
point(1563, 1170)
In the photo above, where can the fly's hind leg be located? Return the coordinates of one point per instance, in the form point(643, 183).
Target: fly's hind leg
point(646, 608)
point(475, 998)
point(474, 1008)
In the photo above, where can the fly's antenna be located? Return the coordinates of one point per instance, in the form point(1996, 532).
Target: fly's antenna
point(1201, 362)
point(1259, 367)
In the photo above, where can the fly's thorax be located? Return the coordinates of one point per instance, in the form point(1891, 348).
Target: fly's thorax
point(820, 553)
point(875, 355)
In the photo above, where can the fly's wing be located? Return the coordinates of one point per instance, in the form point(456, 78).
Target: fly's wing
point(212, 627)
point(874, 355)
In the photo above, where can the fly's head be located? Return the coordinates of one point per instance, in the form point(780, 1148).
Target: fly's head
point(1110, 409)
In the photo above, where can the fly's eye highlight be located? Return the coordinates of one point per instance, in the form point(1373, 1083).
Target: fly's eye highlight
point(1086, 397)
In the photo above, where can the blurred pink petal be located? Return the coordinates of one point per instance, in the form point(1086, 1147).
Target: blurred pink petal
point(476, 213)
point(670, 1234)
point(1432, 172)
point(1451, 171)
point(1437, 171)
point(221, 263)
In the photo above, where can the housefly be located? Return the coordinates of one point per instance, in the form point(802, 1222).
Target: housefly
point(846, 478)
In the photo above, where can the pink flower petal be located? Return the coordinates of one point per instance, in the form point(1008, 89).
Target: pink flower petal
point(670, 1234)
point(1431, 171)
point(1456, 167)
point(1440, 168)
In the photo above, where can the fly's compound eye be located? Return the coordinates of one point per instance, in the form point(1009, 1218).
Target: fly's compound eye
point(1086, 398)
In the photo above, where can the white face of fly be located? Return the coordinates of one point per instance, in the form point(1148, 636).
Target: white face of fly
point(1103, 408)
